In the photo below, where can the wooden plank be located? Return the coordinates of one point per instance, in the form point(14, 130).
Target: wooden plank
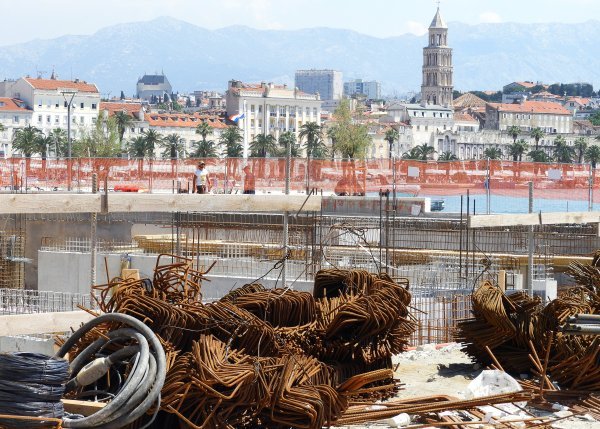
point(85, 408)
point(570, 217)
point(42, 323)
point(49, 203)
point(134, 202)
point(489, 221)
point(211, 203)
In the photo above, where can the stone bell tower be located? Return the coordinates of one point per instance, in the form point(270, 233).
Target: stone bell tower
point(437, 65)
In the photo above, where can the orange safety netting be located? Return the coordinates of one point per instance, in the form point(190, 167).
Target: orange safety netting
point(341, 177)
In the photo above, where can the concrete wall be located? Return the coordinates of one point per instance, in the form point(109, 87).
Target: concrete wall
point(370, 206)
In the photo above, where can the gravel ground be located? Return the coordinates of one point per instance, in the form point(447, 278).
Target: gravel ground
point(448, 371)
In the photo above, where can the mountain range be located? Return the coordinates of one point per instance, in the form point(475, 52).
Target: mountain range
point(485, 56)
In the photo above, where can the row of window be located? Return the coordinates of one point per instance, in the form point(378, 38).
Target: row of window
point(57, 119)
point(49, 104)
point(546, 118)
point(435, 114)
point(272, 110)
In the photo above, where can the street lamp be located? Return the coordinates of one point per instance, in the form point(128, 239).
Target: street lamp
point(68, 94)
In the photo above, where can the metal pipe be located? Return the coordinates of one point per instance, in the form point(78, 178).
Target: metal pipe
point(530, 246)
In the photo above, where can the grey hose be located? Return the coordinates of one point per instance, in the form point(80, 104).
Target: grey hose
point(142, 387)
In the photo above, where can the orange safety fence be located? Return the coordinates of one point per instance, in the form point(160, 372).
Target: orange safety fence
point(331, 176)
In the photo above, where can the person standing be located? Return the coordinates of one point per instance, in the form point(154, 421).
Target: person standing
point(249, 181)
point(201, 180)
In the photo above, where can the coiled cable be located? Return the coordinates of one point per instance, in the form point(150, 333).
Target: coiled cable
point(139, 391)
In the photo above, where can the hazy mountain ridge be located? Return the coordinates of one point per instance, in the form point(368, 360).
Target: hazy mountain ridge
point(486, 56)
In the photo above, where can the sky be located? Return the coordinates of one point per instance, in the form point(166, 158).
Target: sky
point(25, 20)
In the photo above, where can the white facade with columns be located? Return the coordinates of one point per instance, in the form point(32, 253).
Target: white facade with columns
point(270, 109)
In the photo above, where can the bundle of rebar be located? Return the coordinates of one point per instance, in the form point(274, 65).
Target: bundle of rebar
point(275, 358)
point(517, 333)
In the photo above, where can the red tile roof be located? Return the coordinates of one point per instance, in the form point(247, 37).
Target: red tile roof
point(526, 84)
point(132, 109)
point(545, 107)
point(12, 105)
point(54, 85)
point(183, 120)
point(463, 117)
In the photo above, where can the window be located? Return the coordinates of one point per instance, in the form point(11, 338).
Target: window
point(40, 103)
point(259, 109)
point(93, 106)
point(57, 119)
point(81, 105)
point(308, 111)
point(315, 111)
point(39, 119)
point(423, 114)
point(48, 119)
point(414, 113)
point(15, 120)
point(252, 108)
point(65, 104)
point(56, 105)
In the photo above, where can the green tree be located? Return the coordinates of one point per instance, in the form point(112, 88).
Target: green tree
point(492, 153)
point(100, 141)
point(123, 121)
point(59, 142)
point(173, 146)
point(204, 129)
point(414, 153)
point(231, 138)
point(153, 139)
point(312, 133)
point(204, 149)
point(425, 151)
point(592, 155)
point(24, 140)
point(286, 139)
point(517, 149)
point(580, 145)
point(514, 131)
point(137, 147)
point(391, 136)
point(263, 145)
point(447, 156)
point(42, 145)
point(351, 139)
point(537, 134)
point(538, 155)
point(595, 119)
point(562, 152)
point(2, 127)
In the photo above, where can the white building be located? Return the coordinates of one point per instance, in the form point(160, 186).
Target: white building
point(327, 83)
point(270, 109)
point(48, 100)
point(13, 115)
point(425, 120)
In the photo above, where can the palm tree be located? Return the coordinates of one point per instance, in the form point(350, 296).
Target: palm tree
point(312, 132)
point(414, 153)
point(286, 139)
point(492, 153)
point(391, 136)
point(592, 155)
point(24, 140)
point(153, 139)
point(514, 131)
point(123, 121)
point(537, 134)
point(2, 127)
point(563, 153)
point(517, 149)
point(42, 144)
point(173, 145)
point(137, 147)
point(204, 149)
point(231, 138)
point(425, 151)
point(580, 145)
point(538, 155)
point(204, 129)
point(447, 156)
point(263, 144)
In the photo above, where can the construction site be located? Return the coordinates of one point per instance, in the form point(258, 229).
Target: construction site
point(294, 311)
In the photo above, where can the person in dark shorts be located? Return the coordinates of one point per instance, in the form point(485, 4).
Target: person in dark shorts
point(201, 180)
point(249, 181)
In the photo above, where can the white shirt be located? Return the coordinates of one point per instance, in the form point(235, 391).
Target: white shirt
point(201, 177)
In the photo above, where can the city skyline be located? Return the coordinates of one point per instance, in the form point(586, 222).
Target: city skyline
point(383, 18)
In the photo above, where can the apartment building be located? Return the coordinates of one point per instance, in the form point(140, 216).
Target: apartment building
point(269, 109)
point(371, 89)
point(327, 83)
point(49, 101)
point(13, 115)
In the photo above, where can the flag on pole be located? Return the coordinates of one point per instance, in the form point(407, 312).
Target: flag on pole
point(237, 117)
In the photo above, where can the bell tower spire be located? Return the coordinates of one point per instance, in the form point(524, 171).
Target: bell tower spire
point(437, 86)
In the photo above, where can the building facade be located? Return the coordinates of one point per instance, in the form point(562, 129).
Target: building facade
point(371, 90)
point(552, 118)
point(49, 100)
point(327, 83)
point(437, 84)
point(270, 109)
point(13, 116)
point(152, 86)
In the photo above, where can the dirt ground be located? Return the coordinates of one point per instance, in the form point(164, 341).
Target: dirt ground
point(447, 370)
